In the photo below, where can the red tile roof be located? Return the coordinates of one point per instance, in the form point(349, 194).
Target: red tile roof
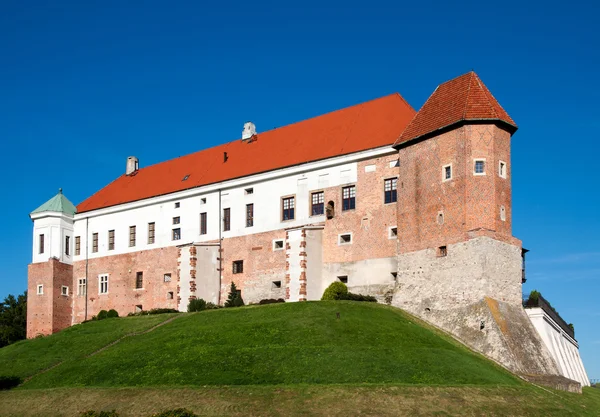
point(461, 99)
point(364, 126)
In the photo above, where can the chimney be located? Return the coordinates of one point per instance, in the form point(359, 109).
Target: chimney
point(132, 165)
point(248, 132)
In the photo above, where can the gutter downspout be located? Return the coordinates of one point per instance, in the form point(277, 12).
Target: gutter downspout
point(87, 239)
point(220, 249)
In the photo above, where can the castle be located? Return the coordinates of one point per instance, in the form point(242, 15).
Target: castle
point(411, 207)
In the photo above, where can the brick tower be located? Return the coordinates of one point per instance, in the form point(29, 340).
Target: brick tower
point(459, 266)
point(50, 274)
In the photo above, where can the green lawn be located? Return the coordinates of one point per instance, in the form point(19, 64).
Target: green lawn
point(295, 343)
point(28, 357)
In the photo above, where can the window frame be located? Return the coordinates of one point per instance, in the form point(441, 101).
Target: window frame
point(81, 284)
point(41, 243)
point(111, 239)
point(339, 239)
point(390, 234)
point(475, 161)
point(165, 275)
point(444, 179)
point(139, 280)
point(40, 289)
point(176, 220)
point(176, 234)
point(203, 223)
point(77, 245)
point(151, 233)
point(226, 219)
point(393, 191)
point(250, 215)
point(351, 198)
point(67, 245)
point(275, 249)
point(502, 173)
point(132, 236)
point(291, 209)
point(62, 290)
point(102, 283)
point(313, 204)
point(95, 237)
point(237, 267)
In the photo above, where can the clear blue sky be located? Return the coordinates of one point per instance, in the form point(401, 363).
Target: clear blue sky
point(85, 84)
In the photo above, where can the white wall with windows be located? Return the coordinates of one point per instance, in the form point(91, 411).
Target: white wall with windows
point(52, 237)
point(265, 191)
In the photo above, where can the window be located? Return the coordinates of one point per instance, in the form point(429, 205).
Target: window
point(442, 251)
point(278, 244)
point(502, 213)
point(151, 228)
point(502, 169)
point(349, 198)
point(202, 223)
point(440, 218)
point(139, 308)
point(170, 295)
point(103, 284)
point(287, 208)
point(139, 280)
point(131, 236)
point(77, 245)
point(226, 219)
point(40, 289)
point(345, 239)
point(390, 191)
point(81, 287)
point(276, 284)
point(238, 267)
point(177, 204)
point(94, 242)
point(64, 290)
point(343, 278)
point(479, 168)
point(203, 200)
point(317, 207)
point(67, 245)
point(167, 278)
point(447, 172)
point(176, 220)
point(393, 232)
point(249, 215)
point(176, 234)
point(395, 164)
point(395, 276)
point(41, 242)
point(111, 240)
point(249, 191)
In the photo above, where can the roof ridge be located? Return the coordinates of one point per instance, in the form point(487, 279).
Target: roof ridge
point(466, 104)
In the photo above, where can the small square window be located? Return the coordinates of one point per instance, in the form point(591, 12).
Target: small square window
point(40, 290)
point(395, 276)
point(170, 295)
point(177, 204)
point(345, 239)
point(276, 284)
point(238, 267)
point(167, 277)
point(502, 169)
point(393, 232)
point(139, 308)
point(64, 290)
point(176, 234)
point(249, 191)
point(176, 220)
point(203, 200)
point(447, 172)
point(442, 251)
point(479, 167)
point(278, 244)
point(343, 278)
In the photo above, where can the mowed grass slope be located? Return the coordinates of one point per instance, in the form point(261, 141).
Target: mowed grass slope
point(28, 357)
point(295, 343)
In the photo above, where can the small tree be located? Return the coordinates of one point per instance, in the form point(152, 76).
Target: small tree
point(197, 304)
point(112, 313)
point(336, 291)
point(102, 314)
point(13, 319)
point(234, 299)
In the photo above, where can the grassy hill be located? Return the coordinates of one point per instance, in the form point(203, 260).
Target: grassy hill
point(260, 352)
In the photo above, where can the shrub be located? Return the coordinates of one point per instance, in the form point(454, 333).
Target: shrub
point(112, 313)
point(358, 297)
point(234, 298)
point(92, 413)
point(179, 412)
point(271, 301)
point(212, 306)
point(8, 382)
point(102, 315)
point(197, 304)
point(335, 291)
point(162, 311)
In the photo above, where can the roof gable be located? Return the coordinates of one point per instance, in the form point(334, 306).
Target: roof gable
point(464, 98)
point(58, 204)
point(364, 126)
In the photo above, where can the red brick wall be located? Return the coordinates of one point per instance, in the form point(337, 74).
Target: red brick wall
point(470, 204)
point(62, 310)
point(122, 295)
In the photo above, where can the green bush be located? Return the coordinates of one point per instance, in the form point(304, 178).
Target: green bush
point(112, 313)
point(234, 298)
point(197, 304)
point(92, 413)
point(103, 314)
point(8, 382)
point(179, 412)
point(335, 291)
point(162, 311)
point(212, 306)
point(358, 297)
point(271, 301)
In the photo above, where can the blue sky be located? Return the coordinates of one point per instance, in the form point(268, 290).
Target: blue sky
point(85, 84)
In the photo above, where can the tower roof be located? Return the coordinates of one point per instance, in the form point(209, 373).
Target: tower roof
point(59, 204)
point(461, 99)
